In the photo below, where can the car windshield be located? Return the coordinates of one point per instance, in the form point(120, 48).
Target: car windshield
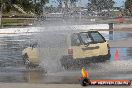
point(97, 38)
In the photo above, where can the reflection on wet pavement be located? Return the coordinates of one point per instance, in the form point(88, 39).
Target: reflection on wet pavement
point(118, 35)
point(34, 76)
point(11, 48)
point(124, 53)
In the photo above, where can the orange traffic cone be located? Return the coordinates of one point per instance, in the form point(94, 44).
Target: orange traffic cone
point(116, 55)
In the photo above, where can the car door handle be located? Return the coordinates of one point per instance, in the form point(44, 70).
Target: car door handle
point(90, 48)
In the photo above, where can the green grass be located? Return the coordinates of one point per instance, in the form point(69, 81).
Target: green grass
point(16, 21)
point(13, 21)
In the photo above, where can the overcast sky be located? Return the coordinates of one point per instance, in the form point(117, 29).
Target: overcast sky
point(118, 3)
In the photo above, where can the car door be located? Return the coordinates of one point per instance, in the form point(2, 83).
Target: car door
point(84, 47)
point(100, 41)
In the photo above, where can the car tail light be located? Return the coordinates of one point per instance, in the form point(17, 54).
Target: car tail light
point(70, 51)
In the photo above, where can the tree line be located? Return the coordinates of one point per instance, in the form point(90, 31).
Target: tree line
point(128, 7)
point(35, 6)
point(100, 4)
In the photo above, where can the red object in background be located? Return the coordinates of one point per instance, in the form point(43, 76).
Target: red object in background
point(116, 55)
point(120, 19)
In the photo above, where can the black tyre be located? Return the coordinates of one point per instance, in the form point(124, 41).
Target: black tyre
point(67, 62)
point(101, 59)
point(107, 57)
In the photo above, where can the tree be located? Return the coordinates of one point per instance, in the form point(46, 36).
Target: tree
point(26, 5)
point(6, 5)
point(66, 2)
point(128, 6)
point(100, 4)
point(60, 3)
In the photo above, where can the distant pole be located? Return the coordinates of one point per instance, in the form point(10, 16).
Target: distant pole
point(111, 29)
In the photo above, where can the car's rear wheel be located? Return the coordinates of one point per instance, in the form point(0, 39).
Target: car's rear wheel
point(67, 62)
point(105, 58)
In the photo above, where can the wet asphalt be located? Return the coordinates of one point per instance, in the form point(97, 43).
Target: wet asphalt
point(13, 70)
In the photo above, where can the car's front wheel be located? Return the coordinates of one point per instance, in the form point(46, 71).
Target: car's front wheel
point(27, 63)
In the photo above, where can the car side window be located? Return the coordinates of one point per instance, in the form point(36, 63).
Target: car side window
point(84, 36)
point(97, 38)
point(75, 41)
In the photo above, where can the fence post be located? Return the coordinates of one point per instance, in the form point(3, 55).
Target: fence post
point(111, 31)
